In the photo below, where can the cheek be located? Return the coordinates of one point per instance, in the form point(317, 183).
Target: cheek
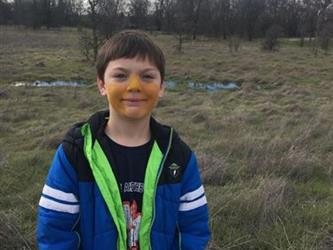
point(152, 91)
point(115, 91)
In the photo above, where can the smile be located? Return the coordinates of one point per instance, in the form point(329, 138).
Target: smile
point(133, 100)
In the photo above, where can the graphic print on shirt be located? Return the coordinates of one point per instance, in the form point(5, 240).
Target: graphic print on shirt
point(133, 219)
point(130, 187)
point(129, 166)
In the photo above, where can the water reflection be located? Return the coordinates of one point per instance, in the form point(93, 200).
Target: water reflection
point(49, 84)
point(214, 86)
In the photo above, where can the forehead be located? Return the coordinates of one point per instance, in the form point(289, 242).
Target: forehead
point(131, 64)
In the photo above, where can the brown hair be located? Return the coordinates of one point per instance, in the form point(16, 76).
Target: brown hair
point(129, 44)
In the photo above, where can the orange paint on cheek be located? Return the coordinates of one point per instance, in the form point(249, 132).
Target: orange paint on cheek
point(151, 91)
point(114, 94)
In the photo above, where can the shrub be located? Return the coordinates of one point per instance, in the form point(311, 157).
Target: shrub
point(271, 42)
point(234, 44)
point(324, 36)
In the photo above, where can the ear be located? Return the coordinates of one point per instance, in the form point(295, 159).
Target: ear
point(101, 86)
point(162, 90)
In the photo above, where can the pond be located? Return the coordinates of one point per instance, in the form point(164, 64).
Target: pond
point(214, 86)
point(49, 84)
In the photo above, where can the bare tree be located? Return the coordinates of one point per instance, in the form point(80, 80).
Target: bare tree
point(197, 4)
point(93, 16)
point(111, 16)
point(159, 13)
point(138, 12)
point(271, 42)
point(292, 16)
point(6, 14)
point(47, 12)
point(325, 26)
point(220, 12)
point(185, 18)
point(105, 17)
point(249, 11)
point(181, 21)
point(168, 14)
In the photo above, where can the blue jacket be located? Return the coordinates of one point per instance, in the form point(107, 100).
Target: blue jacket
point(75, 211)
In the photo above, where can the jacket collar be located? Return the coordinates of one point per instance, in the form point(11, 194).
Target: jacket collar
point(160, 133)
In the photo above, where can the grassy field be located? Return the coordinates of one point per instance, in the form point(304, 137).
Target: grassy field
point(265, 150)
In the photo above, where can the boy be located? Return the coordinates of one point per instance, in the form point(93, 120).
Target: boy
point(121, 180)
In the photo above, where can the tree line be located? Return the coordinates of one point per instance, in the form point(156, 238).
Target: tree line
point(248, 19)
point(219, 18)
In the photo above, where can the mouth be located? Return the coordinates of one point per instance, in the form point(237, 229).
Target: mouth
point(134, 100)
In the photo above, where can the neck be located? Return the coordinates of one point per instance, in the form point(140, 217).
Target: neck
point(127, 132)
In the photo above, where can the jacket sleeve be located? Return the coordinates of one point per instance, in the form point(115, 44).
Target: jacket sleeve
point(193, 210)
point(58, 212)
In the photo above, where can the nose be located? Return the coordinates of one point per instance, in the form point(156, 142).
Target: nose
point(134, 83)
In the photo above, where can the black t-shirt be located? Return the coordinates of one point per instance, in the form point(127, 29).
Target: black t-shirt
point(129, 166)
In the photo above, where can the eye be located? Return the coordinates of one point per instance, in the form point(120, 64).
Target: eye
point(119, 76)
point(148, 77)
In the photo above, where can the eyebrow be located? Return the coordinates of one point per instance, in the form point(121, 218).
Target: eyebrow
point(119, 68)
point(142, 71)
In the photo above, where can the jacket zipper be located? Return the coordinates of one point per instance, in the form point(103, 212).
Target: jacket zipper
point(156, 182)
point(179, 238)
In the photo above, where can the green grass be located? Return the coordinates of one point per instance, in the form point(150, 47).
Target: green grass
point(265, 151)
point(42, 55)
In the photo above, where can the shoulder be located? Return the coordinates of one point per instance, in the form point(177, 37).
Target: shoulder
point(180, 151)
point(73, 140)
point(73, 144)
point(167, 137)
point(178, 158)
point(73, 148)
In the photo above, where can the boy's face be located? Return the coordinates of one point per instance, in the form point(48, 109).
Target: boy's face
point(132, 86)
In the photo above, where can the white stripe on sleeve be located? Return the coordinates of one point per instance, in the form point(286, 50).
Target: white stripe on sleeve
point(193, 205)
point(57, 206)
point(58, 194)
point(193, 195)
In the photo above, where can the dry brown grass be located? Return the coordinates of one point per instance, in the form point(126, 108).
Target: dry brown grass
point(273, 195)
point(11, 236)
point(256, 150)
point(265, 151)
point(214, 169)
